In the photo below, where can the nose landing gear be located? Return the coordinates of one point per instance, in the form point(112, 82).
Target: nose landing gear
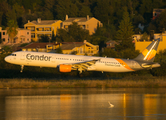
point(22, 67)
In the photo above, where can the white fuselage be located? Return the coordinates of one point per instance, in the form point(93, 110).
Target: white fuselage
point(42, 59)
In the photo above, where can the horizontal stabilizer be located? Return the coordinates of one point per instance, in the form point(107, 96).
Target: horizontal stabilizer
point(151, 65)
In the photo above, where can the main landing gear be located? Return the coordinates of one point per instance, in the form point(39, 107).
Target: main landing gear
point(22, 67)
point(79, 73)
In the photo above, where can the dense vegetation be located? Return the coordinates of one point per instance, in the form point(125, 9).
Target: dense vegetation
point(109, 12)
point(128, 82)
point(120, 20)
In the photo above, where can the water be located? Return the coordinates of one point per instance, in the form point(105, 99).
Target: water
point(81, 104)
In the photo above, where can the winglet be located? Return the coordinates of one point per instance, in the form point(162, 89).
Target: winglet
point(149, 53)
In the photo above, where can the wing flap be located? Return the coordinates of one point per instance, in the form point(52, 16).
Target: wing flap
point(82, 66)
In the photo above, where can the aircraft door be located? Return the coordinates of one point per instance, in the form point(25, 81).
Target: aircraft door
point(53, 58)
point(53, 61)
point(133, 64)
point(22, 57)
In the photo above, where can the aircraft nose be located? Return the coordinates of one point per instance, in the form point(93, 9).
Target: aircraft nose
point(7, 59)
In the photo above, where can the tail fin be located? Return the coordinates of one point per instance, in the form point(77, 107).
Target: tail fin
point(149, 53)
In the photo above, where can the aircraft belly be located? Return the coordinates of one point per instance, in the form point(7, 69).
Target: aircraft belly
point(41, 64)
point(35, 63)
point(117, 68)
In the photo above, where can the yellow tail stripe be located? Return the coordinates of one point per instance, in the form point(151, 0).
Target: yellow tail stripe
point(124, 64)
point(145, 52)
point(150, 55)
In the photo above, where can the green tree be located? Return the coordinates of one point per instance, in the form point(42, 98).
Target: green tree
point(109, 53)
point(110, 31)
point(132, 6)
point(103, 11)
point(6, 50)
point(65, 7)
point(84, 10)
point(128, 53)
point(99, 40)
point(146, 9)
point(99, 37)
point(47, 15)
point(31, 4)
point(53, 37)
point(47, 9)
point(74, 33)
point(73, 52)
point(125, 32)
point(125, 28)
point(19, 12)
point(161, 21)
point(144, 37)
point(49, 4)
point(59, 50)
point(152, 26)
point(12, 29)
point(138, 19)
point(11, 15)
point(44, 38)
point(161, 59)
point(158, 4)
point(62, 36)
point(3, 12)
point(77, 33)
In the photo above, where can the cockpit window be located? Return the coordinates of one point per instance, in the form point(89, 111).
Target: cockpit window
point(13, 54)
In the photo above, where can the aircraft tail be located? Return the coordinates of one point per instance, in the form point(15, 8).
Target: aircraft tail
point(149, 53)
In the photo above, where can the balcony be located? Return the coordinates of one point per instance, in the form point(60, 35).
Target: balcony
point(31, 28)
point(47, 29)
point(40, 29)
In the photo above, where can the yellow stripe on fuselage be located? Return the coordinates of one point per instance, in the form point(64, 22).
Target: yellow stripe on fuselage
point(124, 64)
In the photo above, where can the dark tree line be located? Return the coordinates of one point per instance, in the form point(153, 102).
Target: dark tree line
point(109, 12)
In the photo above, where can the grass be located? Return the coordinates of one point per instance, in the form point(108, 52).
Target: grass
point(128, 82)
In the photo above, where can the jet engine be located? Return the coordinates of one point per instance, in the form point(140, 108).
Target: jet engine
point(64, 68)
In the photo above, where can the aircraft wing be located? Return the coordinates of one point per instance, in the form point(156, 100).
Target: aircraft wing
point(83, 66)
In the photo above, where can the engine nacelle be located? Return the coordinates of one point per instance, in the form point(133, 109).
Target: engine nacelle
point(64, 68)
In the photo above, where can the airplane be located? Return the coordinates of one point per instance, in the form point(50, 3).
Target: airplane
point(67, 63)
